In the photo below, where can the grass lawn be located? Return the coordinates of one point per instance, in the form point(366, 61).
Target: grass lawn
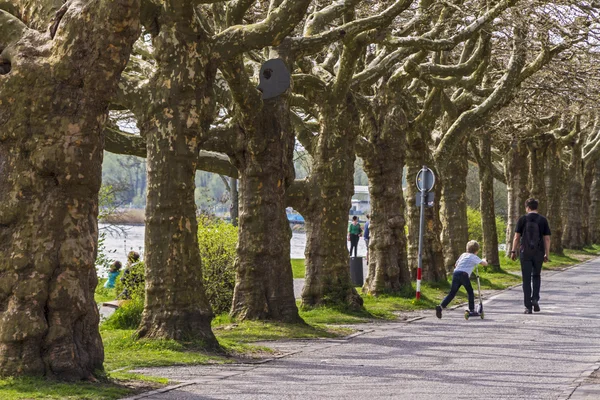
point(103, 294)
point(298, 267)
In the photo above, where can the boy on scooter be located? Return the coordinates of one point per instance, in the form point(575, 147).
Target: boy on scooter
point(462, 271)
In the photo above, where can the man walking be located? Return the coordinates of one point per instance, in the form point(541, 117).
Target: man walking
point(532, 237)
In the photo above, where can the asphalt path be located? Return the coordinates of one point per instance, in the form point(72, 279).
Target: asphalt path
point(507, 355)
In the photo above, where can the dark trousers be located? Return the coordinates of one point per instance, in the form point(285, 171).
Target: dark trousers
point(460, 279)
point(354, 243)
point(531, 270)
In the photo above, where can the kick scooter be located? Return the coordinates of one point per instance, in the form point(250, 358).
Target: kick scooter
point(479, 307)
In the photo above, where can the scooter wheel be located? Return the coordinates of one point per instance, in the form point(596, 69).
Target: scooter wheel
point(481, 315)
point(467, 315)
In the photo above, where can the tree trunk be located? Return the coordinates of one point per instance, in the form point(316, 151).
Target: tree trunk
point(455, 228)
point(595, 205)
point(572, 237)
point(588, 176)
point(53, 106)
point(537, 187)
point(383, 164)
point(264, 282)
point(330, 185)
point(488, 214)
point(235, 201)
point(176, 306)
point(515, 169)
point(555, 190)
point(418, 154)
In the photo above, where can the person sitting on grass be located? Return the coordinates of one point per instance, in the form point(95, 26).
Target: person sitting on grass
point(462, 271)
point(130, 278)
point(113, 272)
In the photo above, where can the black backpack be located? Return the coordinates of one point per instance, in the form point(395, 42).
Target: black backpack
point(530, 242)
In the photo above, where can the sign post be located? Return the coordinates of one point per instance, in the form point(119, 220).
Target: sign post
point(425, 182)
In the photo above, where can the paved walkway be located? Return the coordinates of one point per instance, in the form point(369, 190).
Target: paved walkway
point(508, 355)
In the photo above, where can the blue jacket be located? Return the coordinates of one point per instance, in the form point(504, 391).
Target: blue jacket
point(366, 231)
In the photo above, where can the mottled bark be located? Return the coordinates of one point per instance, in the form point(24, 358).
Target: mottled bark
point(595, 205)
point(537, 187)
point(516, 171)
point(588, 176)
point(383, 163)
point(330, 185)
point(50, 175)
point(264, 283)
point(417, 155)
point(176, 306)
point(486, 198)
point(235, 201)
point(555, 189)
point(572, 237)
point(455, 228)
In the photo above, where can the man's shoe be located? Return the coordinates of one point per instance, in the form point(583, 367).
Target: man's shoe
point(536, 307)
point(438, 311)
point(527, 311)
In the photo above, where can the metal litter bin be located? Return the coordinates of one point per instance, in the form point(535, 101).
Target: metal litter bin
point(356, 271)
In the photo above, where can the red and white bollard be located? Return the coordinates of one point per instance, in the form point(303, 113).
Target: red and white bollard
point(418, 283)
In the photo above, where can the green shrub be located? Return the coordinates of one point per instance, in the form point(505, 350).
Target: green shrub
point(475, 231)
point(129, 314)
point(217, 240)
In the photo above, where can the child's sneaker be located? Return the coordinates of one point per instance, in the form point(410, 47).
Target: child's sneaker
point(438, 311)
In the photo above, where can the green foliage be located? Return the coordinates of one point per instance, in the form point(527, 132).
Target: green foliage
point(130, 285)
point(475, 231)
point(217, 240)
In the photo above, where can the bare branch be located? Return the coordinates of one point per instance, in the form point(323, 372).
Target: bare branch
point(269, 32)
point(313, 44)
point(450, 43)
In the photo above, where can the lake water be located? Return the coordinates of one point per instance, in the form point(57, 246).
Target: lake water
point(118, 242)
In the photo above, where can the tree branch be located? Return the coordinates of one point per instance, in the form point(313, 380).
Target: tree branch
point(297, 195)
point(424, 43)
point(313, 44)
point(269, 32)
point(503, 89)
point(11, 31)
point(119, 142)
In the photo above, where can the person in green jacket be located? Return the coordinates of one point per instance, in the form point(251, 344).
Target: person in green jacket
point(354, 233)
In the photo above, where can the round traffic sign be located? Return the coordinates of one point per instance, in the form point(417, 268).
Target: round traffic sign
point(425, 179)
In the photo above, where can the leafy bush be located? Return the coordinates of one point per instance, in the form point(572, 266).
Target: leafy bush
point(475, 231)
point(218, 240)
point(129, 314)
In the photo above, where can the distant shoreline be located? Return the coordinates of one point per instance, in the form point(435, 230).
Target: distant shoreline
point(127, 217)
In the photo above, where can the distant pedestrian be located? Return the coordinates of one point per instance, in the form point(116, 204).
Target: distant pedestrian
point(532, 238)
point(113, 272)
point(462, 271)
point(354, 232)
point(366, 235)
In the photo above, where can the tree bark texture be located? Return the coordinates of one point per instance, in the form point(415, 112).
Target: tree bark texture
point(330, 188)
point(555, 188)
point(176, 306)
point(537, 186)
point(516, 171)
point(264, 282)
point(488, 214)
point(572, 236)
point(50, 174)
point(595, 205)
point(417, 155)
point(235, 201)
point(455, 228)
point(383, 164)
point(588, 176)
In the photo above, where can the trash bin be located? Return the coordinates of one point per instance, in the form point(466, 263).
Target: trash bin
point(356, 270)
